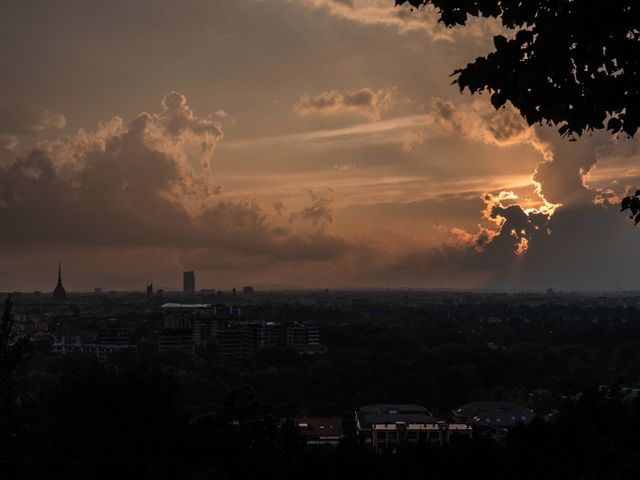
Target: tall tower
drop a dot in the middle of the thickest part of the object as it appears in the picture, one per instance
(59, 293)
(189, 283)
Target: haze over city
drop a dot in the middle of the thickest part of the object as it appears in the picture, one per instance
(305, 143)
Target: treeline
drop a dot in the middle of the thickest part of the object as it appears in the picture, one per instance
(146, 414)
(107, 421)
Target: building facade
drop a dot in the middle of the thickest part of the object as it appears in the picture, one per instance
(189, 283)
(386, 427)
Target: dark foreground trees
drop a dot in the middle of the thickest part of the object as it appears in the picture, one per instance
(571, 63)
(104, 423)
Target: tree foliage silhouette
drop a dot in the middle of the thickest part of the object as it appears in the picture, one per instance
(12, 353)
(573, 64)
(12, 349)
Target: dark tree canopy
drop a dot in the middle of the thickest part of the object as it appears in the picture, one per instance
(574, 64)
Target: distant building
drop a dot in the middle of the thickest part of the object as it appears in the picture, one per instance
(114, 335)
(108, 340)
(100, 351)
(247, 291)
(493, 417)
(388, 426)
(150, 290)
(370, 415)
(236, 340)
(235, 335)
(391, 436)
(320, 431)
(189, 283)
(303, 339)
(203, 319)
(240, 338)
(59, 293)
(176, 339)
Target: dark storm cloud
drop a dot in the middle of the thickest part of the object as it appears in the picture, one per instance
(590, 247)
(561, 178)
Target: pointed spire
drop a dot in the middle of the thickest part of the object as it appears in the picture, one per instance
(59, 293)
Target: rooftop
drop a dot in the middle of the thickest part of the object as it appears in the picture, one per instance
(395, 413)
(494, 414)
(191, 306)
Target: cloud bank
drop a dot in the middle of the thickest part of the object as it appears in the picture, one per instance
(146, 184)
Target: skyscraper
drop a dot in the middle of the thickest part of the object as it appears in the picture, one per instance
(189, 283)
(59, 293)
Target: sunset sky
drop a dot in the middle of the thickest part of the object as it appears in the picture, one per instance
(286, 143)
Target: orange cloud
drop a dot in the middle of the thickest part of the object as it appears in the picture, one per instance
(364, 102)
(404, 19)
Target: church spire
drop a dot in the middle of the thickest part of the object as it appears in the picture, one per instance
(59, 293)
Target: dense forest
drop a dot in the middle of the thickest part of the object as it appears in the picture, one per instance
(147, 414)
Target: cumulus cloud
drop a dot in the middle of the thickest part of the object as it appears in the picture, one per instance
(279, 207)
(560, 176)
(175, 131)
(403, 18)
(508, 228)
(24, 120)
(8, 143)
(223, 114)
(140, 185)
(319, 211)
(477, 121)
(364, 102)
(574, 238)
(18, 122)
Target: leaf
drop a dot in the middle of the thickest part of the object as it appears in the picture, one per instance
(625, 204)
(500, 41)
(614, 124)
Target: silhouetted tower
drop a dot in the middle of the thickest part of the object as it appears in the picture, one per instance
(189, 283)
(59, 293)
(150, 290)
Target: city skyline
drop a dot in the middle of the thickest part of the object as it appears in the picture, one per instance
(245, 289)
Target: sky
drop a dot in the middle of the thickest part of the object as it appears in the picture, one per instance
(287, 144)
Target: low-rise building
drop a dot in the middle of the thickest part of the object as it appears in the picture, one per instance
(493, 417)
(114, 335)
(390, 436)
(176, 339)
(320, 431)
(99, 350)
(389, 426)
